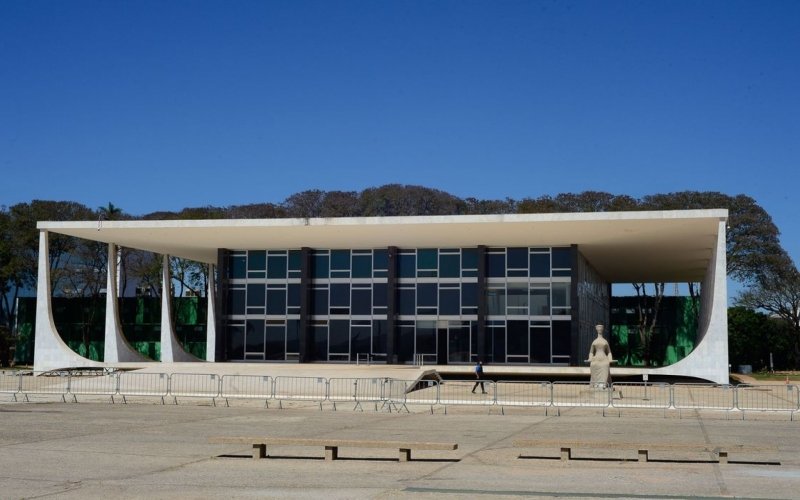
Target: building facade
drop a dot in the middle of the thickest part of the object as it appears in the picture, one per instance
(516, 290)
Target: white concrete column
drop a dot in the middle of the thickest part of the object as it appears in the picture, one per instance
(211, 316)
(116, 348)
(171, 349)
(709, 359)
(50, 351)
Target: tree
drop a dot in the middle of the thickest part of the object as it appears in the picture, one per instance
(755, 337)
(647, 311)
(778, 293)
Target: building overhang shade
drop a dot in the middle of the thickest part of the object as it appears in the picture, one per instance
(655, 246)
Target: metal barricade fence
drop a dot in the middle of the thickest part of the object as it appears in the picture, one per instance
(10, 383)
(300, 389)
(246, 387)
(194, 385)
(641, 395)
(45, 383)
(143, 384)
(535, 394)
(767, 398)
(466, 392)
(93, 384)
(581, 394)
(355, 390)
(703, 397)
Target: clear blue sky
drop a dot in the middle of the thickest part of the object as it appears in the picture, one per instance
(156, 105)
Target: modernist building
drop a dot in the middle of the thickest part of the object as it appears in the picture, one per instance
(518, 290)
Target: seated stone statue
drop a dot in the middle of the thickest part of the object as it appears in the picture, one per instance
(600, 360)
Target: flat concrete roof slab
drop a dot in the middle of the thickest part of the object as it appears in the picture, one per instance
(670, 246)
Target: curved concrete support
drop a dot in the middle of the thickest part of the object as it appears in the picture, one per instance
(211, 316)
(709, 359)
(171, 349)
(116, 348)
(50, 351)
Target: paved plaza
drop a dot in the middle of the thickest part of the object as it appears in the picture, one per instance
(145, 449)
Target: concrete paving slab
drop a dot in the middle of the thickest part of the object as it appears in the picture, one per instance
(93, 450)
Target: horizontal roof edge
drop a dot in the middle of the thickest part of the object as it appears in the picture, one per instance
(721, 214)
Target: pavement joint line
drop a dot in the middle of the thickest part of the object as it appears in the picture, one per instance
(550, 494)
(723, 489)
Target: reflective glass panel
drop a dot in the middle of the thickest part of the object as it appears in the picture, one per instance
(540, 265)
(238, 267)
(321, 269)
(517, 338)
(276, 301)
(379, 336)
(517, 298)
(359, 340)
(276, 268)
(319, 299)
(469, 258)
(449, 266)
(255, 295)
(469, 294)
(362, 301)
(561, 295)
(407, 264)
(276, 341)
(236, 301)
(339, 336)
(406, 301)
(517, 258)
(449, 301)
(380, 259)
(496, 301)
(426, 258)
(340, 294)
(426, 337)
(320, 335)
(256, 260)
(254, 336)
(496, 265)
(540, 345)
(362, 266)
(427, 294)
(292, 336)
(340, 260)
(562, 258)
(379, 295)
(236, 341)
(540, 302)
(561, 338)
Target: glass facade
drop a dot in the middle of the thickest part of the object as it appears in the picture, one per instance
(445, 301)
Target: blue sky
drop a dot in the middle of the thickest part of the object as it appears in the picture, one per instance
(157, 105)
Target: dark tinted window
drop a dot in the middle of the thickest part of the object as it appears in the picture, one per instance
(540, 265)
(562, 258)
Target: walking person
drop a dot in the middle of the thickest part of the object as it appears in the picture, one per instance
(479, 377)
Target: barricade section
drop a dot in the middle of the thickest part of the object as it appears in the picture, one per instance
(9, 383)
(581, 394)
(422, 392)
(301, 389)
(246, 387)
(767, 397)
(703, 397)
(56, 383)
(194, 385)
(466, 392)
(94, 384)
(355, 390)
(536, 394)
(641, 395)
(143, 384)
